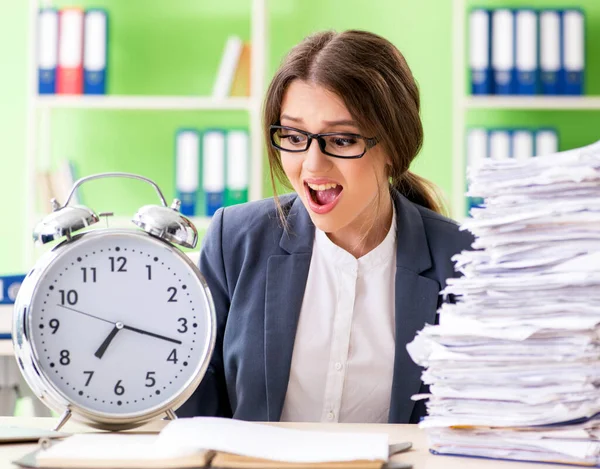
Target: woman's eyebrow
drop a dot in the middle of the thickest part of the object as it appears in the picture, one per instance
(328, 123)
(341, 122)
(295, 119)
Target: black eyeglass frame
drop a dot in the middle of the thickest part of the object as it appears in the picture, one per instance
(370, 142)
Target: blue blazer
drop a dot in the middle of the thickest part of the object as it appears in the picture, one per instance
(257, 275)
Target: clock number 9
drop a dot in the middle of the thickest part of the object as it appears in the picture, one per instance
(119, 390)
(54, 325)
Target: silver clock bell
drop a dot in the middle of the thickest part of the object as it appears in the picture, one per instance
(161, 221)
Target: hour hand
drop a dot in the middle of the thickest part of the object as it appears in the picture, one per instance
(100, 352)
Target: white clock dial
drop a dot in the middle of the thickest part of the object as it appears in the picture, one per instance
(120, 323)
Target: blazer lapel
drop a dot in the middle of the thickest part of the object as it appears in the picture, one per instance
(416, 303)
(286, 282)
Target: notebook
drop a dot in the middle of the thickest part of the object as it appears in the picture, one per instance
(224, 443)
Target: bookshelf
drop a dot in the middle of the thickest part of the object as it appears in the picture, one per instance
(463, 103)
(40, 109)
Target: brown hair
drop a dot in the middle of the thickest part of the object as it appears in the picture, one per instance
(374, 81)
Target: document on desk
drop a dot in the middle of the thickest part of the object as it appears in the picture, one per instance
(200, 441)
(514, 364)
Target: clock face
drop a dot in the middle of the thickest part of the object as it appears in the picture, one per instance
(120, 323)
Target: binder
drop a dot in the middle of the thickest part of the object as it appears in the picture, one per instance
(526, 47)
(550, 52)
(503, 54)
(546, 142)
(477, 151)
(69, 78)
(500, 145)
(522, 144)
(187, 169)
(213, 169)
(479, 52)
(229, 62)
(240, 85)
(573, 50)
(9, 287)
(47, 50)
(94, 56)
(238, 156)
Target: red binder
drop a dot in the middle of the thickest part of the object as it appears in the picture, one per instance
(69, 72)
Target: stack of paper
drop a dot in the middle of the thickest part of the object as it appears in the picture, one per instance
(514, 365)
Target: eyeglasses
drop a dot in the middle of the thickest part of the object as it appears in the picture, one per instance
(336, 144)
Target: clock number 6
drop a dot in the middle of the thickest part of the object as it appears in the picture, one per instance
(119, 390)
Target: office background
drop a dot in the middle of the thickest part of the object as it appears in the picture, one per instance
(174, 48)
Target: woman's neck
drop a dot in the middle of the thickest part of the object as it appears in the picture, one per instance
(368, 230)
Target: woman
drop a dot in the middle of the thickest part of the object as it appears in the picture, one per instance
(318, 292)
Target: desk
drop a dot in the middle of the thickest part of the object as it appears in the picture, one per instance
(419, 456)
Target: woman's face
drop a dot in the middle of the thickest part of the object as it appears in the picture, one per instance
(338, 193)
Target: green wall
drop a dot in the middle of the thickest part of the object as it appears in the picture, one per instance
(174, 48)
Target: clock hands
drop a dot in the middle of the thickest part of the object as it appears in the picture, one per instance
(152, 334)
(100, 352)
(86, 314)
(117, 327)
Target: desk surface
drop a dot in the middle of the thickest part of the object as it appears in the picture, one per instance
(419, 456)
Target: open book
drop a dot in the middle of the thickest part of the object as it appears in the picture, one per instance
(216, 442)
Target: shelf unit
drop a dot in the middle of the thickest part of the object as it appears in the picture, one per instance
(40, 109)
(462, 103)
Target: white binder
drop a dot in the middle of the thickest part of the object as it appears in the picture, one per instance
(522, 144)
(500, 147)
(546, 142)
(526, 37)
(503, 54)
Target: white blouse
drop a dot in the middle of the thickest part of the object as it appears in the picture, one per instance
(343, 358)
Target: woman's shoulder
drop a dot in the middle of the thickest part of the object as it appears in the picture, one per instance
(254, 219)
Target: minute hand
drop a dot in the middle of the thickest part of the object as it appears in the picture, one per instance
(152, 334)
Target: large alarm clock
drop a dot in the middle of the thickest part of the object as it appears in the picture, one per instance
(114, 326)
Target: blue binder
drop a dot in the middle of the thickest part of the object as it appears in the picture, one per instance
(47, 50)
(9, 287)
(503, 51)
(477, 150)
(480, 51)
(573, 51)
(551, 61)
(187, 169)
(526, 51)
(213, 169)
(95, 55)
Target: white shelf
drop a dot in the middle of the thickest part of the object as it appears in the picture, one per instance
(589, 103)
(163, 103)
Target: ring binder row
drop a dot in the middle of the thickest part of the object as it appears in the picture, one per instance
(502, 144)
(212, 164)
(72, 51)
(526, 51)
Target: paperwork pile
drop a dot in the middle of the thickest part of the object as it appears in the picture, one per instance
(514, 366)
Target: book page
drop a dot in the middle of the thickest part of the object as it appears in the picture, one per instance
(263, 441)
(100, 450)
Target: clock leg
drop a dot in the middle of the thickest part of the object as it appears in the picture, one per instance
(63, 419)
(171, 415)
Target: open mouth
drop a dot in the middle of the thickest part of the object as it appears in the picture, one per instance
(322, 198)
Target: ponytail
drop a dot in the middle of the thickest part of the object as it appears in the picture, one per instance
(420, 191)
